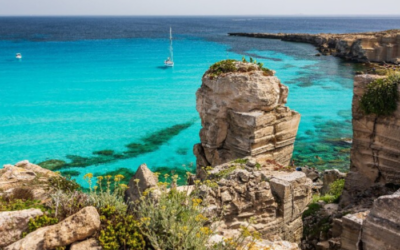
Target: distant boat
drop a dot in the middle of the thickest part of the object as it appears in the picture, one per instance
(18, 56)
(170, 60)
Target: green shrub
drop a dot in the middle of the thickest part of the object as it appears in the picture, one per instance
(38, 222)
(381, 96)
(221, 67)
(313, 208)
(174, 222)
(241, 161)
(108, 192)
(18, 204)
(336, 188)
(119, 231)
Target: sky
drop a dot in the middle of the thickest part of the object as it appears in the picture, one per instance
(199, 7)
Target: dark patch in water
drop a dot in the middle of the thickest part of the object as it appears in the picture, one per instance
(146, 144)
(263, 57)
(70, 173)
(344, 113)
(182, 151)
(104, 152)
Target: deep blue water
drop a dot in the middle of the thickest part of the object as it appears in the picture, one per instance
(86, 84)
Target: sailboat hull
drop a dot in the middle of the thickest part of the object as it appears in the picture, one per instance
(169, 64)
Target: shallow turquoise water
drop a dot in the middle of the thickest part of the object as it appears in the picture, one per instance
(69, 98)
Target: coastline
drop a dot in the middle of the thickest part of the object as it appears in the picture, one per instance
(366, 47)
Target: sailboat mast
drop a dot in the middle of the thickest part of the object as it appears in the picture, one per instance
(170, 45)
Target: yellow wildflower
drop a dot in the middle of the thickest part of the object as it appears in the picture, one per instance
(88, 176)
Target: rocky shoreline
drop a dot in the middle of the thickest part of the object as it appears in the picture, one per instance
(378, 47)
(244, 196)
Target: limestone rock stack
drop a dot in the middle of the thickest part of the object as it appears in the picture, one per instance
(243, 114)
(376, 147)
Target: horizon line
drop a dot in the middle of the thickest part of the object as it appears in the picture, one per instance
(222, 15)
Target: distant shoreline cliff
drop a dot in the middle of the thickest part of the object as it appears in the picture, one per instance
(378, 47)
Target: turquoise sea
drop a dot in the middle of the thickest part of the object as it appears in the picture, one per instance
(93, 92)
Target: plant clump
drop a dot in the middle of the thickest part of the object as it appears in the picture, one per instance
(224, 66)
(230, 65)
(381, 96)
(119, 231)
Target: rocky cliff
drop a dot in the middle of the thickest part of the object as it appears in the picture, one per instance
(375, 161)
(274, 198)
(361, 47)
(243, 114)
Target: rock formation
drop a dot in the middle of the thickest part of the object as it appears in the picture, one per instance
(361, 47)
(14, 223)
(146, 179)
(243, 114)
(375, 160)
(28, 176)
(275, 199)
(74, 228)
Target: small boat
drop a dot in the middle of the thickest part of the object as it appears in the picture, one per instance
(170, 60)
(18, 56)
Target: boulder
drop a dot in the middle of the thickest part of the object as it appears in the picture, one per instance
(14, 223)
(74, 228)
(25, 174)
(90, 244)
(141, 181)
(33, 241)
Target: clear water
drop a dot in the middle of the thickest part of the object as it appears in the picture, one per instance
(90, 84)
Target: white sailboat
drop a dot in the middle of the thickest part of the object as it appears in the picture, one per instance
(170, 60)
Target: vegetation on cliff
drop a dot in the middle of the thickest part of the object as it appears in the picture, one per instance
(230, 65)
(381, 96)
(174, 220)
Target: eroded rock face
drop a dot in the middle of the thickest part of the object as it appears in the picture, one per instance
(351, 232)
(74, 228)
(274, 199)
(14, 223)
(376, 148)
(243, 114)
(381, 229)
